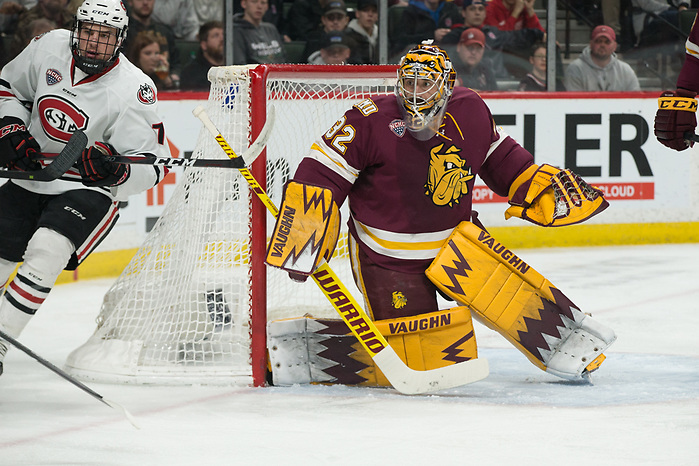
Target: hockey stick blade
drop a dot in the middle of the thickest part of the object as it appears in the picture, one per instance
(252, 152)
(689, 136)
(404, 379)
(61, 163)
(66, 376)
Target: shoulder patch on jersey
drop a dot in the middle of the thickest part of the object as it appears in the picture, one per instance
(146, 94)
(398, 127)
(53, 76)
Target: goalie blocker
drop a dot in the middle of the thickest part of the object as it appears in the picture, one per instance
(306, 231)
(510, 297)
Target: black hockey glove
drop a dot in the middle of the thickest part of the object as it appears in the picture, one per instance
(17, 146)
(97, 170)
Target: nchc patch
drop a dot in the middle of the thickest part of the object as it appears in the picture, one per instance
(398, 127)
(53, 76)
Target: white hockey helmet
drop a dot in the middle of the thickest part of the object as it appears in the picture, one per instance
(110, 13)
(423, 110)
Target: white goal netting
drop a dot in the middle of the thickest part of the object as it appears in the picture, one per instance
(182, 309)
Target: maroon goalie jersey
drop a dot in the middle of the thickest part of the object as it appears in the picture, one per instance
(405, 195)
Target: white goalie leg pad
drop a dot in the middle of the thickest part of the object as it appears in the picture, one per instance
(293, 348)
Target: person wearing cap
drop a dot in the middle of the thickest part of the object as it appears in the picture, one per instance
(334, 18)
(511, 15)
(598, 68)
(472, 70)
(365, 33)
(335, 50)
(425, 19)
(497, 43)
(256, 41)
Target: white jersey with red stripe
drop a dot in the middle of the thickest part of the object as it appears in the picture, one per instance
(43, 87)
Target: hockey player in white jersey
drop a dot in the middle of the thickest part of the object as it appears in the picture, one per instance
(64, 81)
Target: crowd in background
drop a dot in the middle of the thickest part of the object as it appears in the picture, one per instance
(175, 42)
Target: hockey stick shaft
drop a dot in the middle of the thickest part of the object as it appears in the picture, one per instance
(14, 342)
(61, 163)
(403, 379)
(170, 162)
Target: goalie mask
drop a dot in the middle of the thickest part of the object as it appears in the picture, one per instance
(425, 82)
(98, 32)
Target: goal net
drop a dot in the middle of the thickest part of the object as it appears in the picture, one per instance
(193, 303)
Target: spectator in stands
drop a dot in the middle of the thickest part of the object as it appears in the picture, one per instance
(29, 31)
(54, 10)
(9, 13)
(334, 18)
(472, 70)
(364, 31)
(303, 18)
(208, 10)
(179, 15)
(210, 53)
(497, 42)
(141, 19)
(146, 52)
(425, 19)
(598, 69)
(256, 41)
(274, 15)
(335, 50)
(511, 15)
(656, 22)
(535, 80)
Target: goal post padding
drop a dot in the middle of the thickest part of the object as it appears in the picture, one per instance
(193, 303)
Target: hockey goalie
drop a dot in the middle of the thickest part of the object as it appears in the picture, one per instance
(406, 164)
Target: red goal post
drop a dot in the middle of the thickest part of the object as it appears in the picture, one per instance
(193, 304)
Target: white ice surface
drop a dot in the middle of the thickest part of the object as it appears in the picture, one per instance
(641, 409)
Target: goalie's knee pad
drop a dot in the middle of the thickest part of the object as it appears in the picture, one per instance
(309, 350)
(512, 298)
(307, 229)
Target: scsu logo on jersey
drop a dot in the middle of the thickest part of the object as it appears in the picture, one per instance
(53, 77)
(60, 117)
(398, 127)
(146, 94)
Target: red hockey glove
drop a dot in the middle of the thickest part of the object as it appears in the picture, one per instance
(97, 170)
(676, 115)
(17, 146)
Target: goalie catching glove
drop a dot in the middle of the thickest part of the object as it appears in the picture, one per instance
(97, 170)
(17, 145)
(306, 232)
(676, 116)
(551, 197)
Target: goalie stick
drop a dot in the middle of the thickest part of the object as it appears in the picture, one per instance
(61, 163)
(404, 379)
(67, 377)
(689, 136)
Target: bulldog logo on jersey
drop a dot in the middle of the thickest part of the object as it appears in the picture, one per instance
(146, 94)
(398, 300)
(53, 77)
(398, 127)
(448, 177)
